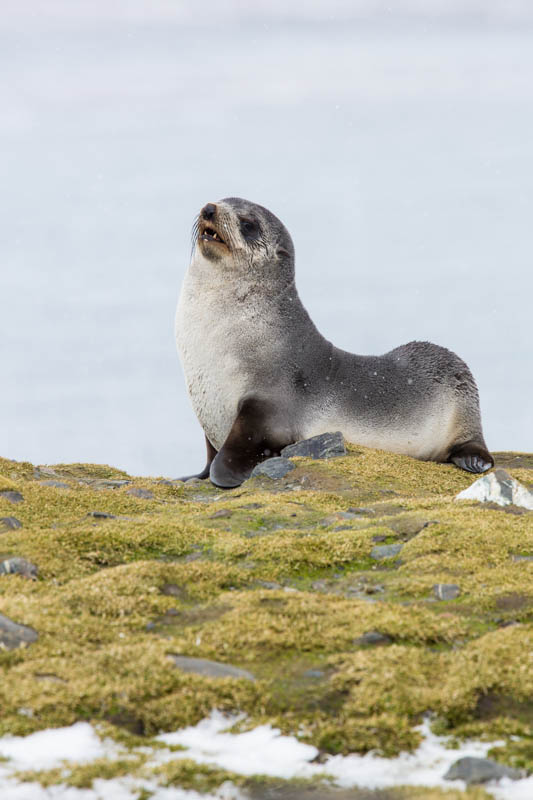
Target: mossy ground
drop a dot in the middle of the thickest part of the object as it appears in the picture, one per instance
(276, 578)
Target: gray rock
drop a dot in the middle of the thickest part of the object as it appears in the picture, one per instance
(55, 484)
(144, 494)
(221, 514)
(101, 515)
(385, 551)
(10, 523)
(269, 585)
(314, 673)
(13, 635)
(105, 483)
(18, 566)
(372, 639)
(480, 770)
(325, 445)
(446, 591)
(521, 558)
(11, 496)
(498, 487)
(174, 590)
(273, 468)
(211, 669)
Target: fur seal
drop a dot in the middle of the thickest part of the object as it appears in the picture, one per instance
(260, 375)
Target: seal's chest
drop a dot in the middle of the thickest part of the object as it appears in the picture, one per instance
(209, 351)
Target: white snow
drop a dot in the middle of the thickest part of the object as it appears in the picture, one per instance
(260, 751)
(263, 750)
(49, 748)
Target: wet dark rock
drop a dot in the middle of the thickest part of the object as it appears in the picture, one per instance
(446, 591)
(211, 669)
(11, 496)
(273, 468)
(143, 494)
(18, 566)
(326, 445)
(373, 639)
(385, 551)
(55, 484)
(13, 635)
(9, 523)
(101, 515)
(480, 770)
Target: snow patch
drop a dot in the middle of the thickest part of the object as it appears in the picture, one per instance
(263, 750)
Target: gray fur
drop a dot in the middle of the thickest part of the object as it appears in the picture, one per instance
(241, 328)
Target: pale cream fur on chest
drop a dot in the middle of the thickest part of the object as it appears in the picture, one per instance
(211, 339)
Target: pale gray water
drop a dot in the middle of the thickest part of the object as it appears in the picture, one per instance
(399, 152)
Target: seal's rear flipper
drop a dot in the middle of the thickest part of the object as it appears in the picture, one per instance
(472, 457)
(254, 436)
(211, 453)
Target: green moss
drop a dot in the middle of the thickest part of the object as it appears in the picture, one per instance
(101, 608)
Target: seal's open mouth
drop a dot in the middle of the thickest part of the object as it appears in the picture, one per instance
(209, 234)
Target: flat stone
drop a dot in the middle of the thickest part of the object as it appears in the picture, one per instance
(273, 468)
(144, 494)
(498, 487)
(10, 523)
(11, 496)
(18, 566)
(325, 445)
(521, 558)
(314, 673)
(223, 513)
(408, 526)
(174, 590)
(55, 484)
(13, 635)
(269, 585)
(211, 669)
(372, 639)
(385, 551)
(446, 591)
(101, 515)
(106, 483)
(480, 770)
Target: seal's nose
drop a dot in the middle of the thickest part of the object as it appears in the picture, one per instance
(208, 211)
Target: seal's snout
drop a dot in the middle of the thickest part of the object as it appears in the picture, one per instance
(208, 229)
(209, 211)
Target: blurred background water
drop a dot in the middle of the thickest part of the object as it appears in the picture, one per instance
(394, 140)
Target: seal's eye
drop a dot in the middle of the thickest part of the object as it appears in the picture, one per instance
(249, 227)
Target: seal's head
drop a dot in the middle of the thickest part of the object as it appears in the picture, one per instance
(243, 237)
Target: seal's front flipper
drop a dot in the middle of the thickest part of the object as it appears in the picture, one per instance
(255, 435)
(211, 453)
(472, 457)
